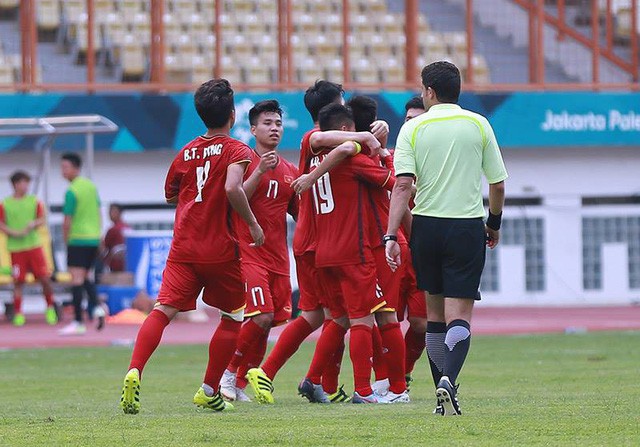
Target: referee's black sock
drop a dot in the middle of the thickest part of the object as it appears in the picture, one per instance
(436, 348)
(76, 293)
(90, 287)
(458, 340)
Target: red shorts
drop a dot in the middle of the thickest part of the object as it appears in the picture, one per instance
(354, 287)
(388, 280)
(312, 291)
(412, 301)
(267, 292)
(23, 262)
(223, 282)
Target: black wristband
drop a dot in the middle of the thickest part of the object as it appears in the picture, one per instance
(494, 221)
(389, 237)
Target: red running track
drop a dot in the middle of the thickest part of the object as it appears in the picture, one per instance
(488, 321)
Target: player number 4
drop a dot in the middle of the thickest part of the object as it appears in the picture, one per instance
(322, 195)
(202, 174)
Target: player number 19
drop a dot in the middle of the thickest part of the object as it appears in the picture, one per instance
(322, 195)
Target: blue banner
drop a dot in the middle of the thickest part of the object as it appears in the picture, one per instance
(150, 121)
(147, 253)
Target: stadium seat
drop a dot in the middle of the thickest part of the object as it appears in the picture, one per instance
(392, 70)
(71, 10)
(309, 71)
(9, 4)
(257, 72)
(6, 72)
(47, 15)
(172, 28)
(362, 25)
(318, 7)
(378, 47)
(177, 68)
(184, 9)
(197, 27)
(202, 69)
(239, 47)
(115, 31)
(133, 61)
(307, 25)
(130, 7)
(363, 71)
(322, 47)
(332, 24)
(82, 42)
(254, 25)
(480, 69)
(267, 47)
(230, 70)
(335, 70)
(390, 23)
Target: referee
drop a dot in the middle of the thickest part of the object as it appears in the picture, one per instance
(447, 150)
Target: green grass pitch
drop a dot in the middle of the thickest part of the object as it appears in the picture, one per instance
(574, 390)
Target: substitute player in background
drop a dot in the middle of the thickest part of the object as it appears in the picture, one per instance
(82, 229)
(268, 188)
(20, 216)
(205, 180)
(447, 150)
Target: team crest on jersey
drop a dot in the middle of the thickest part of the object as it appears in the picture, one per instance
(288, 179)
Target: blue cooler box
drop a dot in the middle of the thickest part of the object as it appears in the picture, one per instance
(119, 297)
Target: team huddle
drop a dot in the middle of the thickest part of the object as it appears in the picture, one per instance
(230, 243)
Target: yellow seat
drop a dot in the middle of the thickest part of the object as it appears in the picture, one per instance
(363, 71)
(133, 60)
(47, 15)
(257, 72)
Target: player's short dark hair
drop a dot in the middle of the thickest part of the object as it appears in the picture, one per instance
(319, 95)
(365, 112)
(414, 103)
(18, 176)
(117, 206)
(214, 103)
(333, 116)
(269, 105)
(73, 158)
(444, 78)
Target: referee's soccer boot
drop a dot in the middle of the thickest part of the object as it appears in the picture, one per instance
(261, 384)
(339, 396)
(215, 402)
(130, 400)
(314, 393)
(446, 395)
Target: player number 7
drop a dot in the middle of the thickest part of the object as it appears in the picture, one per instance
(202, 174)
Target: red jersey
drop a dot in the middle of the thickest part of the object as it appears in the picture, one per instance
(342, 208)
(113, 240)
(271, 201)
(203, 230)
(379, 216)
(304, 239)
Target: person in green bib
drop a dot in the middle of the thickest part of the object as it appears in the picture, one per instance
(82, 229)
(20, 216)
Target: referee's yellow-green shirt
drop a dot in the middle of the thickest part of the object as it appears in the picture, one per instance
(448, 149)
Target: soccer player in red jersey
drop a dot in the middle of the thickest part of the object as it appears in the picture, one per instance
(20, 216)
(205, 181)
(312, 291)
(391, 335)
(268, 188)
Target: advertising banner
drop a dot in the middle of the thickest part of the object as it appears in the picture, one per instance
(147, 253)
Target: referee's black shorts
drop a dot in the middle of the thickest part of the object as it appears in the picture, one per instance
(81, 256)
(448, 255)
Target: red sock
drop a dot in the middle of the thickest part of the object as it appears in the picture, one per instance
(249, 334)
(148, 339)
(49, 299)
(252, 360)
(361, 350)
(393, 344)
(17, 303)
(330, 339)
(379, 362)
(331, 373)
(414, 344)
(287, 345)
(221, 347)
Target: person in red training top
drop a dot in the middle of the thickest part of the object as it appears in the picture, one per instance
(20, 216)
(312, 292)
(205, 181)
(391, 338)
(268, 188)
(114, 249)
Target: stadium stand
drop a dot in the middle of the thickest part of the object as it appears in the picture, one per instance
(249, 35)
